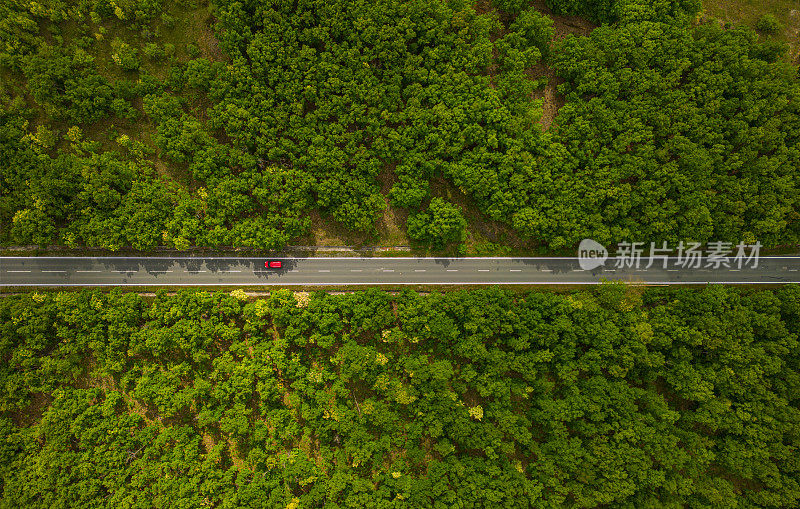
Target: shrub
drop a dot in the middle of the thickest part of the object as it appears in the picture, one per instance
(154, 52)
(769, 24)
(124, 55)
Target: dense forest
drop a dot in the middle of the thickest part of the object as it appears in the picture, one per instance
(615, 397)
(138, 123)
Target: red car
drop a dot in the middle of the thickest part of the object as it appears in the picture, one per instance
(273, 264)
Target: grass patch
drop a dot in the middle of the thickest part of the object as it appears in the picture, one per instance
(326, 232)
(748, 12)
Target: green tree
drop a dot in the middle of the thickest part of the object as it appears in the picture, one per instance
(441, 223)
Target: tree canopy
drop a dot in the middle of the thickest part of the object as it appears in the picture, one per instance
(668, 135)
(618, 396)
(670, 128)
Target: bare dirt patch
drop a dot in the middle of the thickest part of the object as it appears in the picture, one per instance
(552, 101)
(208, 441)
(564, 26)
(392, 226)
(208, 42)
(326, 232)
(33, 412)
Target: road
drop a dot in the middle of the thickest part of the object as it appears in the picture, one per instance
(318, 271)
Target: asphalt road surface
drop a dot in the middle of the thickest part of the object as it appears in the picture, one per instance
(151, 271)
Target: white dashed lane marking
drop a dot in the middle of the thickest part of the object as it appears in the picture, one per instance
(326, 274)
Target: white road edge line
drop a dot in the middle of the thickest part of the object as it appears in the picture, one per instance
(538, 283)
(261, 259)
